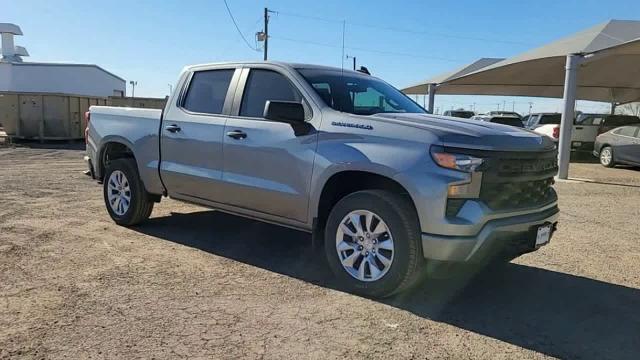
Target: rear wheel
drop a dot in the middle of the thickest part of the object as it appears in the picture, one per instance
(606, 157)
(372, 243)
(125, 197)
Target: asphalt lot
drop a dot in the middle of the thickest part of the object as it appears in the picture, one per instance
(197, 283)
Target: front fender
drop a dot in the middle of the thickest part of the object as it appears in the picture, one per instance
(386, 159)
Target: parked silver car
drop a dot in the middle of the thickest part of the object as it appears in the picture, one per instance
(619, 146)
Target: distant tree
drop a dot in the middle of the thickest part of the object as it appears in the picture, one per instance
(629, 109)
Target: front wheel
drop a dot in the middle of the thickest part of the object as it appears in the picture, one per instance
(373, 243)
(125, 197)
(606, 157)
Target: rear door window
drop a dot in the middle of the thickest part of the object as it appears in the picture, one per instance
(207, 91)
(263, 85)
(590, 121)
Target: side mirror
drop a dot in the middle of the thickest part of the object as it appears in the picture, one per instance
(284, 111)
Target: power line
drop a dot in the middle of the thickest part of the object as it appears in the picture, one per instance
(453, 36)
(415, 32)
(309, 17)
(238, 28)
(384, 52)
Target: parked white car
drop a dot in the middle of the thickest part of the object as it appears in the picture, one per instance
(545, 124)
(585, 128)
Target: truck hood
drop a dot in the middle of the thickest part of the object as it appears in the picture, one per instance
(472, 134)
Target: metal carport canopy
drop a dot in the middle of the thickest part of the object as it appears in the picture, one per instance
(600, 64)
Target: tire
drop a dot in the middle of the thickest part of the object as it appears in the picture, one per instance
(404, 262)
(606, 157)
(140, 203)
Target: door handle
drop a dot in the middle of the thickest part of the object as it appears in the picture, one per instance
(237, 134)
(579, 128)
(173, 128)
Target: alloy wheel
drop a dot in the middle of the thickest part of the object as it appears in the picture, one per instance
(364, 245)
(605, 157)
(118, 193)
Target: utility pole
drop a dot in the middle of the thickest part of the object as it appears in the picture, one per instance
(170, 89)
(504, 105)
(530, 106)
(513, 106)
(266, 33)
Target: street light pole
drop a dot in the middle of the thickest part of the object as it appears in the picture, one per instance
(354, 60)
(133, 88)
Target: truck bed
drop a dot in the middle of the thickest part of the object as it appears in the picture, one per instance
(138, 128)
(131, 112)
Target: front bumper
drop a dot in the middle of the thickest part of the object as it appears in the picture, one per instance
(514, 234)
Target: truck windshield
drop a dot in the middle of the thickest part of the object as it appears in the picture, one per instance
(358, 94)
(619, 120)
(550, 119)
(461, 114)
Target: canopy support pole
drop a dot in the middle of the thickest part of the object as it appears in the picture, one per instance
(432, 97)
(568, 114)
(613, 107)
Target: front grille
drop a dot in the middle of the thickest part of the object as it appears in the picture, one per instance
(518, 194)
(516, 180)
(516, 167)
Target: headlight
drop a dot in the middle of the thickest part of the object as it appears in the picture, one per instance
(458, 162)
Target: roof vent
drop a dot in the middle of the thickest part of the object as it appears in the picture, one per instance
(11, 52)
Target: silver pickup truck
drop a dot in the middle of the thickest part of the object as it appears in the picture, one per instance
(385, 187)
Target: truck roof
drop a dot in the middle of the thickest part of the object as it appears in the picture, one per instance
(280, 63)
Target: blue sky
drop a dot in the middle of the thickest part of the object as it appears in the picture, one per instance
(150, 41)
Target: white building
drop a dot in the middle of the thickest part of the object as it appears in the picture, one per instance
(58, 78)
(48, 100)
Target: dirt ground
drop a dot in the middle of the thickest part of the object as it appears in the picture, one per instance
(197, 283)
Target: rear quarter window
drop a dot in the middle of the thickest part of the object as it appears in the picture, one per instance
(626, 131)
